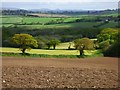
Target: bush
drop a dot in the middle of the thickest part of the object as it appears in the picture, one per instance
(113, 50)
(41, 45)
(104, 45)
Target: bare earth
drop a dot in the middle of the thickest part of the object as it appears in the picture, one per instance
(99, 72)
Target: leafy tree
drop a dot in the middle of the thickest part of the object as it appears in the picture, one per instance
(83, 44)
(103, 37)
(25, 41)
(69, 47)
(106, 34)
(48, 44)
(54, 43)
(108, 41)
(113, 50)
(41, 44)
(104, 45)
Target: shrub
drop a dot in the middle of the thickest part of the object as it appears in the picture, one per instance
(113, 50)
(104, 45)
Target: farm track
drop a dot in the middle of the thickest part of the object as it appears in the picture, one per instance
(60, 73)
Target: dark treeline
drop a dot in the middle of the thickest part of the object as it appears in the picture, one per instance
(43, 35)
(15, 12)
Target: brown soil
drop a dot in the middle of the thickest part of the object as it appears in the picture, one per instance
(60, 73)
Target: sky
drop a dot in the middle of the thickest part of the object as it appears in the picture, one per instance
(59, 0)
(61, 4)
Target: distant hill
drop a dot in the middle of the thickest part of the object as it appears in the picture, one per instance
(16, 11)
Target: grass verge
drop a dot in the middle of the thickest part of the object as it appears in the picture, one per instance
(48, 56)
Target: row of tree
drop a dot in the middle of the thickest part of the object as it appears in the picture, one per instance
(26, 41)
(107, 40)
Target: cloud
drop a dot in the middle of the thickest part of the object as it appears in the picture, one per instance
(60, 1)
(66, 6)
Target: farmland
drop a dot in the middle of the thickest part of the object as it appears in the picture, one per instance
(43, 21)
(59, 48)
(60, 73)
(64, 28)
(50, 52)
(58, 27)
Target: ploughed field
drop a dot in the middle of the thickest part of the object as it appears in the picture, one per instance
(99, 72)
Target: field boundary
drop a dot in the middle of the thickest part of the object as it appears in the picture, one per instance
(46, 55)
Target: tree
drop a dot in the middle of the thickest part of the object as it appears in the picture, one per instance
(25, 41)
(109, 41)
(54, 42)
(48, 44)
(106, 34)
(69, 47)
(104, 45)
(113, 50)
(83, 44)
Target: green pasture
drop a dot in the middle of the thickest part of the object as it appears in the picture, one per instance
(70, 25)
(110, 25)
(38, 22)
(50, 52)
(11, 20)
(66, 25)
(45, 20)
(65, 45)
(61, 49)
(44, 26)
(27, 20)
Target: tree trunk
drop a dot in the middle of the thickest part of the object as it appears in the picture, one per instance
(48, 47)
(23, 50)
(54, 46)
(81, 52)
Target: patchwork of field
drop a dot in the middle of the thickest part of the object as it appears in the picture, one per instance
(43, 22)
(27, 20)
(60, 68)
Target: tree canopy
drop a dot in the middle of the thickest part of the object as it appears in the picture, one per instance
(108, 34)
(25, 41)
(83, 44)
(53, 43)
(109, 41)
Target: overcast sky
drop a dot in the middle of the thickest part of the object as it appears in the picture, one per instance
(62, 4)
(59, 0)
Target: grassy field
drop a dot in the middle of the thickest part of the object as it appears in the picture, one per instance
(65, 45)
(44, 26)
(52, 52)
(42, 51)
(71, 25)
(38, 22)
(61, 49)
(11, 20)
(18, 19)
